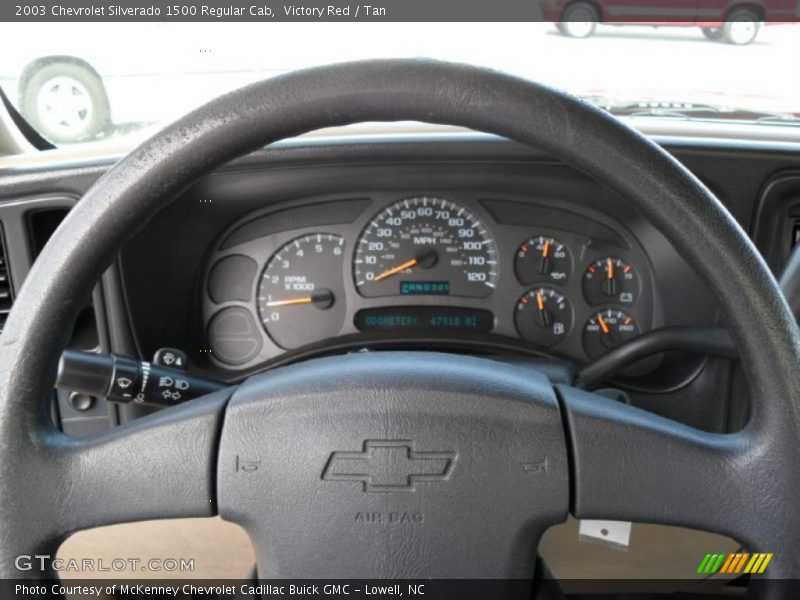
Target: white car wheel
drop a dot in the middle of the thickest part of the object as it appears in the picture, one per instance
(65, 102)
(64, 105)
(580, 21)
(741, 29)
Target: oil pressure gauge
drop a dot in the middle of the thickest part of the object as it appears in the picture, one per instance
(610, 280)
(542, 259)
(543, 316)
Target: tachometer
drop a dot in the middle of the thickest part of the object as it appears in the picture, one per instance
(425, 246)
(301, 294)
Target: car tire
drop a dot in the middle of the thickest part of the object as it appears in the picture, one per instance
(741, 27)
(42, 102)
(712, 33)
(579, 20)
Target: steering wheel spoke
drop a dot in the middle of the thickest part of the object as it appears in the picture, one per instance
(632, 465)
(160, 466)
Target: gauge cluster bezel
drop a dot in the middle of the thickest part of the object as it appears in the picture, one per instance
(542, 216)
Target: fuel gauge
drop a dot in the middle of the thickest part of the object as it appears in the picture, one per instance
(543, 316)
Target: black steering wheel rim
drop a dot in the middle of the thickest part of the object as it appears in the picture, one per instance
(756, 467)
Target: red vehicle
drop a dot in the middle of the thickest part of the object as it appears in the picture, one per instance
(733, 21)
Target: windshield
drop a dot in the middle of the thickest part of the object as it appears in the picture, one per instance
(80, 83)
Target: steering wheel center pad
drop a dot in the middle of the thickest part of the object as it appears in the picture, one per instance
(420, 465)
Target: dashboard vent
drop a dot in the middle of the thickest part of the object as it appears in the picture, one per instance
(6, 295)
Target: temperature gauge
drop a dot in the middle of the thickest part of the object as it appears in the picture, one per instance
(542, 258)
(543, 316)
(606, 330)
(610, 280)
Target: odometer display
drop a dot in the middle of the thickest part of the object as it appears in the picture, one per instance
(425, 318)
(425, 246)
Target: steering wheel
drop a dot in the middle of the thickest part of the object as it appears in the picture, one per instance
(401, 464)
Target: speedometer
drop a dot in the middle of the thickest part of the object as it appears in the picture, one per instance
(425, 246)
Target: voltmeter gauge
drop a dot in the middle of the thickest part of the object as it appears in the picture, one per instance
(542, 259)
(543, 316)
(610, 280)
(608, 329)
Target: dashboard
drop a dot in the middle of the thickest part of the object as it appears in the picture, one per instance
(295, 230)
(193, 278)
(407, 262)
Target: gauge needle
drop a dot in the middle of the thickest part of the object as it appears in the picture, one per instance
(603, 325)
(540, 300)
(609, 286)
(301, 300)
(322, 300)
(544, 266)
(544, 314)
(395, 270)
(424, 260)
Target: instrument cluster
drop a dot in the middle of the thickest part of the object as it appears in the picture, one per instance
(573, 284)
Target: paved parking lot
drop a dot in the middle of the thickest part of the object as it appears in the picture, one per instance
(625, 61)
(182, 65)
(622, 62)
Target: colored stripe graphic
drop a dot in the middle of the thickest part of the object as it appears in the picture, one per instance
(727, 564)
(740, 563)
(735, 563)
(711, 563)
(755, 561)
(715, 567)
(759, 563)
(703, 564)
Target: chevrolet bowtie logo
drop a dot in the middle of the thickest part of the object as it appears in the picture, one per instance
(389, 466)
